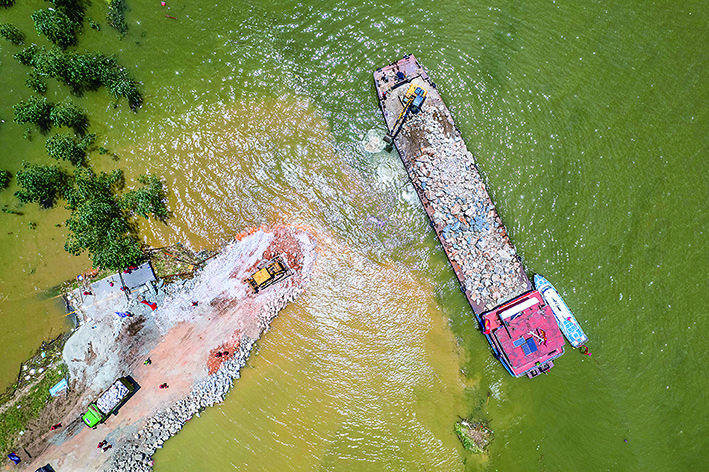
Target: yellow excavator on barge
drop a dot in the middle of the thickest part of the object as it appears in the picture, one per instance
(411, 103)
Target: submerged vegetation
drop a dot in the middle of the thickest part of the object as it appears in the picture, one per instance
(63, 146)
(56, 26)
(12, 33)
(34, 110)
(475, 436)
(36, 82)
(40, 184)
(100, 222)
(83, 71)
(102, 214)
(4, 178)
(44, 115)
(116, 15)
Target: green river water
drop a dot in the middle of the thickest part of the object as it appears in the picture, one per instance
(590, 125)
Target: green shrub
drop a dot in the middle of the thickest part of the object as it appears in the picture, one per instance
(40, 183)
(56, 26)
(4, 178)
(34, 110)
(12, 33)
(63, 146)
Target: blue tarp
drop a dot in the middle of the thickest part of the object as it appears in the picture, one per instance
(59, 388)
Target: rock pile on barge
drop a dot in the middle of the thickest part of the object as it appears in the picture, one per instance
(453, 193)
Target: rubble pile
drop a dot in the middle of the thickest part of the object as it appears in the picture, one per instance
(112, 397)
(451, 188)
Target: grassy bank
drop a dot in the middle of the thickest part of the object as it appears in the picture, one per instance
(26, 405)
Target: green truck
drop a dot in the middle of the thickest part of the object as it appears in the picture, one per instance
(108, 402)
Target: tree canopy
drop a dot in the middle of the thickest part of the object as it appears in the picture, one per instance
(42, 184)
(63, 146)
(56, 26)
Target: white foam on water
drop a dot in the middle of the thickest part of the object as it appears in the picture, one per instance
(373, 141)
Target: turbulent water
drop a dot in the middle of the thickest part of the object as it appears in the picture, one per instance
(589, 124)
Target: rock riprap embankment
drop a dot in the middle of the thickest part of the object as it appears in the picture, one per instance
(137, 452)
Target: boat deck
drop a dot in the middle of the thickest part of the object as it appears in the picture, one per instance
(525, 332)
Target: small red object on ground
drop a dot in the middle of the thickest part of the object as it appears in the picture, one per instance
(152, 305)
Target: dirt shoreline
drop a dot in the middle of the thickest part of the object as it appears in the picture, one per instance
(213, 312)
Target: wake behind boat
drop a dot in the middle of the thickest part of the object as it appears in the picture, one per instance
(564, 318)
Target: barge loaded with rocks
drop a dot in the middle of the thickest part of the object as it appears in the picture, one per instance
(445, 176)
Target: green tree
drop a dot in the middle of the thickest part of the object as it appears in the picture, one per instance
(34, 110)
(98, 224)
(4, 178)
(12, 33)
(7, 3)
(64, 146)
(27, 55)
(56, 26)
(36, 82)
(69, 115)
(40, 184)
(116, 15)
(148, 200)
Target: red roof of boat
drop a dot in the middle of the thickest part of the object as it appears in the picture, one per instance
(525, 332)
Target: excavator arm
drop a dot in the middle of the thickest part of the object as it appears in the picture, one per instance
(412, 102)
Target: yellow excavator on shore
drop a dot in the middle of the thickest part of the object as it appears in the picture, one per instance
(274, 271)
(411, 103)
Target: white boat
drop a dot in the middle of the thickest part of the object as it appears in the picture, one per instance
(564, 318)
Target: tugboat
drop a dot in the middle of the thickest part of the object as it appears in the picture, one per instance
(523, 335)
